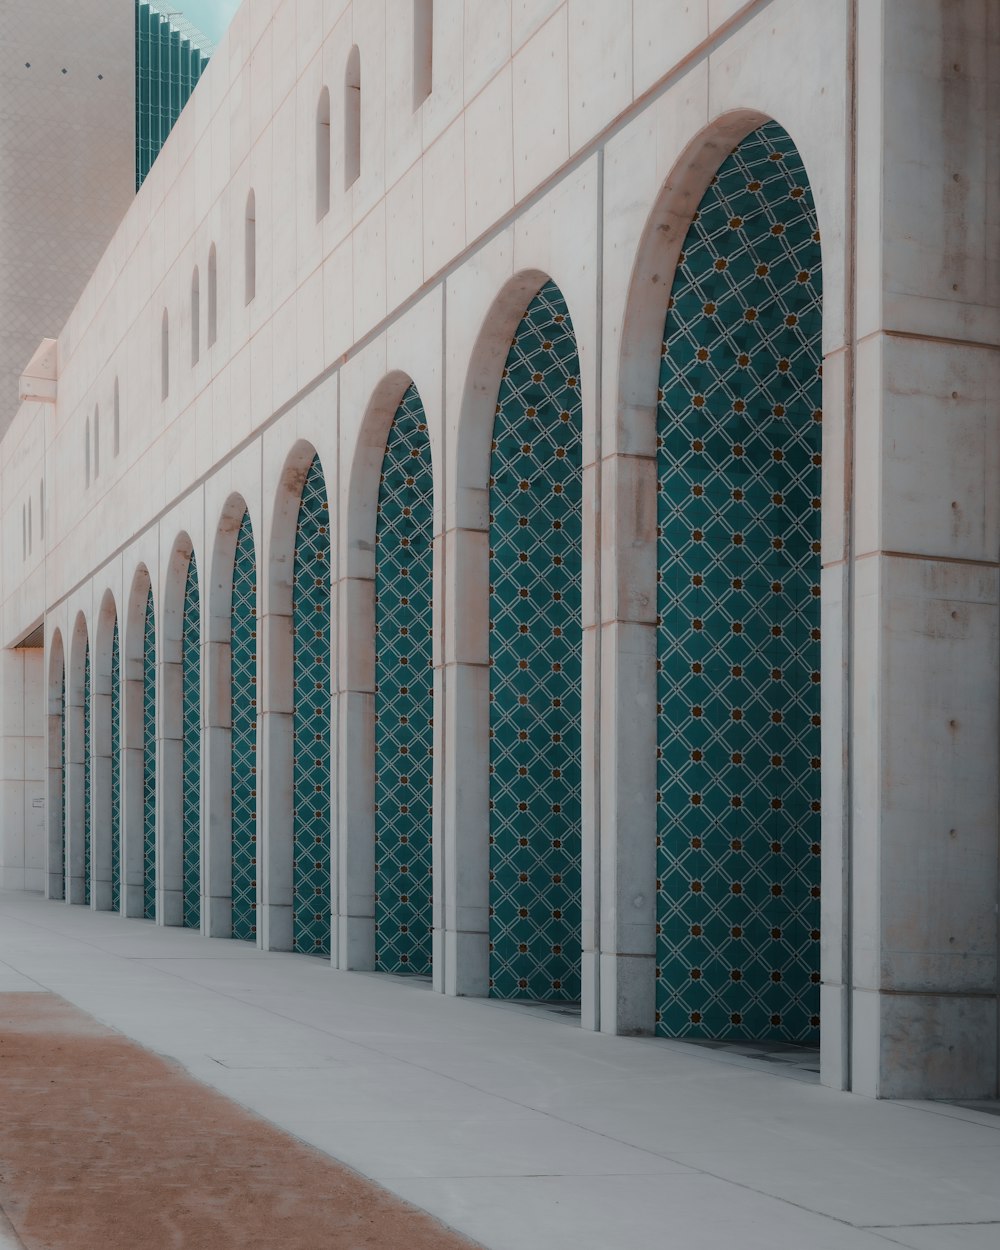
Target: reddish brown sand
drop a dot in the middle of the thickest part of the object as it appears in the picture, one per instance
(106, 1146)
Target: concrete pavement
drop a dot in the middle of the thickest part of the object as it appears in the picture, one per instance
(509, 1122)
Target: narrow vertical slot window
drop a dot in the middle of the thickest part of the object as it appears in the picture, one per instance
(30, 540)
(86, 455)
(116, 432)
(97, 442)
(213, 295)
(165, 356)
(323, 155)
(41, 509)
(250, 241)
(423, 48)
(352, 118)
(195, 316)
(24, 531)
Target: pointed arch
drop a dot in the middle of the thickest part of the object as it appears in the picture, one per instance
(465, 881)
(56, 752)
(243, 741)
(739, 453)
(311, 627)
(217, 843)
(139, 727)
(404, 694)
(285, 715)
(78, 764)
(106, 702)
(536, 645)
(358, 850)
(180, 762)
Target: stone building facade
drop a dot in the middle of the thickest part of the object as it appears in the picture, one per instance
(519, 509)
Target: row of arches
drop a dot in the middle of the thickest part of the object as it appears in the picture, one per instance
(737, 668)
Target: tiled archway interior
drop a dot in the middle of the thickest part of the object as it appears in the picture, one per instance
(244, 735)
(149, 761)
(191, 754)
(116, 771)
(311, 872)
(64, 868)
(404, 695)
(535, 660)
(87, 847)
(738, 603)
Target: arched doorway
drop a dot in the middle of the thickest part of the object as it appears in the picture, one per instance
(57, 858)
(116, 769)
(191, 748)
(535, 494)
(311, 852)
(87, 776)
(738, 452)
(404, 694)
(243, 771)
(149, 759)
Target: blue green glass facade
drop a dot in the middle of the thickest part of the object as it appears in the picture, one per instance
(191, 747)
(311, 867)
(739, 438)
(535, 661)
(404, 695)
(244, 735)
(167, 68)
(149, 761)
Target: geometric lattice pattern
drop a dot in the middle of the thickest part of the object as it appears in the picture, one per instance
(86, 775)
(311, 623)
(404, 695)
(244, 735)
(738, 787)
(116, 771)
(149, 761)
(535, 661)
(62, 779)
(191, 755)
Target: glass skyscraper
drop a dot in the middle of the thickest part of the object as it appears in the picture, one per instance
(170, 57)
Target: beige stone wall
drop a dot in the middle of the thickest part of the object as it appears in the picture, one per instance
(570, 139)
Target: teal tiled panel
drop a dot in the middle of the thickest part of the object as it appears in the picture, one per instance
(535, 661)
(244, 735)
(311, 622)
(116, 771)
(404, 695)
(87, 851)
(62, 779)
(191, 756)
(149, 762)
(739, 437)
